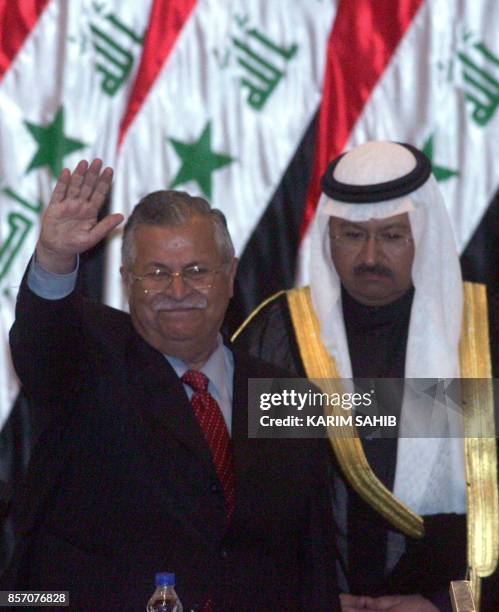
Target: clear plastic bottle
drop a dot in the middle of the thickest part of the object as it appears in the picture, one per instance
(164, 598)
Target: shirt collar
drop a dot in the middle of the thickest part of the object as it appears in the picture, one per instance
(214, 368)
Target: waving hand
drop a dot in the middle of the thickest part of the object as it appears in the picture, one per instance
(70, 225)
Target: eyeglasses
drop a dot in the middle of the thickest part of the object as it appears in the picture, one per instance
(390, 241)
(196, 277)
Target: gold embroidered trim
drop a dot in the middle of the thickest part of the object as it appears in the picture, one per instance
(479, 431)
(480, 441)
(347, 447)
(253, 314)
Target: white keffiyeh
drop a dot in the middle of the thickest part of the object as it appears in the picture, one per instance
(430, 471)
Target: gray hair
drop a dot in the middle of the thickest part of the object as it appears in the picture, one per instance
(173, 209)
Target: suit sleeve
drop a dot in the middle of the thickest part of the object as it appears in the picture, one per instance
(47, 344)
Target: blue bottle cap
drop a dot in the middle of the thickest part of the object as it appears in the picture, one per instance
(165, 579)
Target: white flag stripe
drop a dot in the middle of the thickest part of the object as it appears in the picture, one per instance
(200, 85)
(423, 95)
(80, 57)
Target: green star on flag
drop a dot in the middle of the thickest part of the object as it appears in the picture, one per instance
(441, 172)
(53, 146)
(199, 161)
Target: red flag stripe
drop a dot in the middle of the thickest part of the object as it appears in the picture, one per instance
(166, 21)
(17, 20)
(364, 37)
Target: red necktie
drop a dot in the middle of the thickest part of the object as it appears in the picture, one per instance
(212, 423)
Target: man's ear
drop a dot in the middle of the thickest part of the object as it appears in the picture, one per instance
(125, 278)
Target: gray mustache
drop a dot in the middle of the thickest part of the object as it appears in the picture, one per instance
(167, 303)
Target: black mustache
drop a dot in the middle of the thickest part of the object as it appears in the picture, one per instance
(374, 269)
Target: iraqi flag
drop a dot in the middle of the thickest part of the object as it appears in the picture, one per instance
(224, 95)
(247, 105)
(244, 102)
(66, 70)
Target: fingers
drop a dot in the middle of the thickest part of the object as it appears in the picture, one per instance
(90, 180)
(386, 602)
(102, 188)
(79, 175)
(355, 602)
(402, 603)
(85, 183)
(60, 189)
(106, 225)
(94, 185)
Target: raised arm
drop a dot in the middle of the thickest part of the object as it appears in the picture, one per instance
(69, 224)
(47, 338)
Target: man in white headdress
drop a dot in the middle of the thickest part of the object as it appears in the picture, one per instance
(386, 301)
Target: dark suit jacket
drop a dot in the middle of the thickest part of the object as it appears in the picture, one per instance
(121, 483)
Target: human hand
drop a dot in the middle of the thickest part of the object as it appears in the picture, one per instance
(350, 603)
(391, 603)
(69, 224)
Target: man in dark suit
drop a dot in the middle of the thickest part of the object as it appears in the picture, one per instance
(128, 478)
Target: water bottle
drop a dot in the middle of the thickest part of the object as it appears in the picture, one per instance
(164, 598)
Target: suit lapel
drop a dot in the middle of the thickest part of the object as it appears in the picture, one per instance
(163, 401)
(241, 444)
